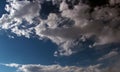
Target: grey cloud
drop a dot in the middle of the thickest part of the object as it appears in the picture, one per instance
(113, 2)
(109, 55)
(67, 33)
(113, 67)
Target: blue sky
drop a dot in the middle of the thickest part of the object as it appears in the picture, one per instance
(36, 36)
(23, 50)
(27, 50)
(2, 5)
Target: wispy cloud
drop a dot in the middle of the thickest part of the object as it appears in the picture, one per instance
(58, 68)
(11, 65)
(52, 68)
(109, 55)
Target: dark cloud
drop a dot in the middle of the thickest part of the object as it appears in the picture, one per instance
(47, 7)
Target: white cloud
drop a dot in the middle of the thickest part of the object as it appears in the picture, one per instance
(23, 9)
(53, 68)
(11, 65)
(19, 11)
(65, 27)
(113, 67)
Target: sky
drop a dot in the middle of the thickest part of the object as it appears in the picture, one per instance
(59, 35)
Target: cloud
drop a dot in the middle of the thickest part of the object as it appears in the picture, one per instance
(109, 55)
(101, 23)
(73, 24)
(113, 2)
(23, 9)
(19, 11)
(113, 67)
(53, 68)
(11, 65)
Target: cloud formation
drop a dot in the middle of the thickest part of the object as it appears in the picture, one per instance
(58, 68)
(109, 55)
(11, 65)
(53, 68)
(75, 22)
(19, 11)
(113, 67)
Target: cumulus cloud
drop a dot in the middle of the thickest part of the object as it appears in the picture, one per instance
(53, 68)
(23, 9)
(19, 11)
(101, 22)
(75, 22)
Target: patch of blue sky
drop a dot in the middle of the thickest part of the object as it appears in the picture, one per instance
(7, 69)
(26, 51)
(2, 7)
